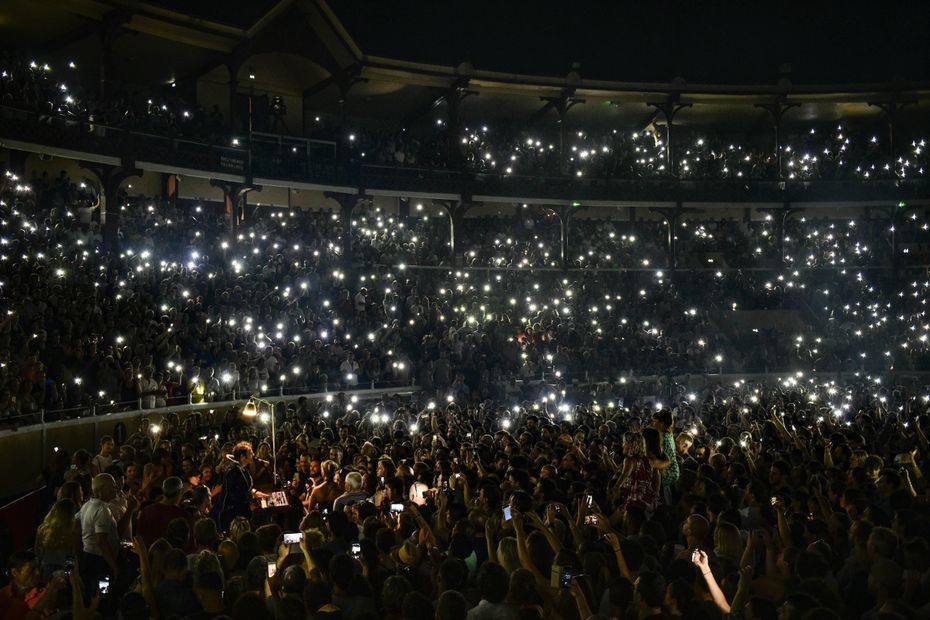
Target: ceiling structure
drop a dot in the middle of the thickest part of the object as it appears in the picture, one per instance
(394, 59)
(720, 42)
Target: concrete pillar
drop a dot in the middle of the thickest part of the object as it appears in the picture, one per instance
(110, 177)
(234, 196)
(669, 109)
(565, 216)
(456, 214)
(347, 203)
(776, 111)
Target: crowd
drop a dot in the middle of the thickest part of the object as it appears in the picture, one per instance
(529, 236)
(835, 152)
(806, 500)
(851, 150)
(185, 312)
(557, 458)
(63, 92)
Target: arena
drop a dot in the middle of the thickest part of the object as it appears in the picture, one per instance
(319, 309)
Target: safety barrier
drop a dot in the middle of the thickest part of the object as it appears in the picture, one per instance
(19, 519)
(24, 450)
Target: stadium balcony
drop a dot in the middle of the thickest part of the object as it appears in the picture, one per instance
(278, 160)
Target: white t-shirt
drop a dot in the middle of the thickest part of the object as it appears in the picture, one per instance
(148, 385)
(95, 518)
(102, 462)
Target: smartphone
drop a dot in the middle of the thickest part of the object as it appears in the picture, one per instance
(272, 569)
(590, 500)
(398, 507)
(356, 550)
(382, 481)
(694, 556)
(590, 520)
(445, 486)
(104, 586)
(507, 515)
(774, 500)
(293, 538)
(565, 577)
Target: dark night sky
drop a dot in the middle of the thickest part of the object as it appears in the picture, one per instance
(705, 42)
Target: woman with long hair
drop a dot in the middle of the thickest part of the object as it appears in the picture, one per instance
(638, 483)
(326, 492)
(728, 544)
(208, 479)
(657, 457)
(54, 539)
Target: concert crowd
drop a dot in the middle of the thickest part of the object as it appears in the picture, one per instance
(844, 151)
(546, 443)
(470, 497)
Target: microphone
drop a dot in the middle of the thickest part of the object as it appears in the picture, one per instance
(230, 457)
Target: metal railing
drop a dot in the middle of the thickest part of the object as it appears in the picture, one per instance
(274, 157)
(650, 270)
(21, 516)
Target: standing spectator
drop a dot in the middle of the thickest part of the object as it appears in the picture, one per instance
(349, 370)
(353, 492)
(54, 539)
(99, 537)
(103, 459)
(175, 597)
(156, 472)
(154, 518)
(23, 598)
(639, 482)
(493, 582)
(147, 389)
(664, 424)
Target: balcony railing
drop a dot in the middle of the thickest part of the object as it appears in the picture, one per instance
(311, 161)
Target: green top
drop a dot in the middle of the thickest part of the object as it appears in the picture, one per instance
(671, 474)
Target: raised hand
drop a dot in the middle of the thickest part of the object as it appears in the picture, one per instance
(699, 559)
(613, 540)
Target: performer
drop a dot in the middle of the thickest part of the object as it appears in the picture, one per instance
(235, 500)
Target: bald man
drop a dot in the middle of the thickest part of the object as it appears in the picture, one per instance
(99, 533)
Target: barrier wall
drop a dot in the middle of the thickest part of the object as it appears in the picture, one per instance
(23, 451)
